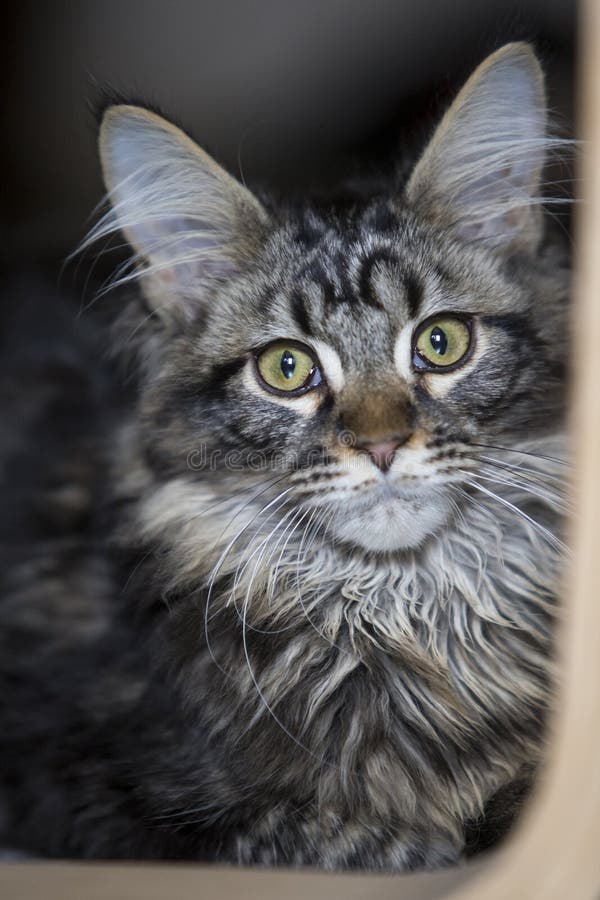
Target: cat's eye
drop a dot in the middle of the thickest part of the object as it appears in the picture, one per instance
(442, 343)
(286, 367)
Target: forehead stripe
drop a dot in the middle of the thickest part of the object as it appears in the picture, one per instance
(300, 313)
(414, 294)
(317, 274)
(367, 293)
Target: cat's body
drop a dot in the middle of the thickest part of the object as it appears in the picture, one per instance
(257, 640)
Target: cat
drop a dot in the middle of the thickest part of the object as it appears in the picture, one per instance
(290, 600)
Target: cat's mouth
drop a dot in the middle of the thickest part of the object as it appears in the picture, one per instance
(390, 516)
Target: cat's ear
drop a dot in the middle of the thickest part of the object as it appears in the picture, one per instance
(480, 174)
(192, 225)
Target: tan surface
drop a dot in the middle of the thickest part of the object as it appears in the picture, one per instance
(175, 882)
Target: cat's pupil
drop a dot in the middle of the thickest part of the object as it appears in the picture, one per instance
(438, 341)
(288, 364)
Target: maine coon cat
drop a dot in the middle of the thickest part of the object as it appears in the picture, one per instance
(294, 603)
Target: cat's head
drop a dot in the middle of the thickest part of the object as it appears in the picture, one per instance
(362, 360)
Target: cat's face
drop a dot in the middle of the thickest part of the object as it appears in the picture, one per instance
(369, 364)
(360, 362)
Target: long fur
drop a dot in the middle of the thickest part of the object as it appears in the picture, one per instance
(228, 635)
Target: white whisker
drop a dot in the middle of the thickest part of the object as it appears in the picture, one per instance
(519, 512)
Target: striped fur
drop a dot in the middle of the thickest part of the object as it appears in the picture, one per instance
(292, 657)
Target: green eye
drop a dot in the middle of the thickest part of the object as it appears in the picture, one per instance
(442, 343)
(288, 368)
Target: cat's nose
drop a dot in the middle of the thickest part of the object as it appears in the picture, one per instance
(383, 452)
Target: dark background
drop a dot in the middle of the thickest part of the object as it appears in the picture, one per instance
(284, 90)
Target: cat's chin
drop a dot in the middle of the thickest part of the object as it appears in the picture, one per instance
(391, 523)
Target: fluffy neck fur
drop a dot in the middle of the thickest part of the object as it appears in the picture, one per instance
(375, 689)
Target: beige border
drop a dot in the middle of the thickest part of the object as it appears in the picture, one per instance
(77, 881)
(555, 854)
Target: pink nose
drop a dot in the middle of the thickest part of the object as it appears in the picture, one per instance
(383, 452)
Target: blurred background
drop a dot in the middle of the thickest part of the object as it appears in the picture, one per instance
(283, 91)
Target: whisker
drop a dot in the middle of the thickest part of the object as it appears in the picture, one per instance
(260, 693)
(321, 517)
(240, 509)
(291, 528)
(552, 539)
(531, 489)
(278, 564)
(218, 565)
(554, 459)
(515, 467)
(242, 530)
(485, 510)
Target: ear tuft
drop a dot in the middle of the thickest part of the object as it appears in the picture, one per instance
(480, 174)
(192, 225)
